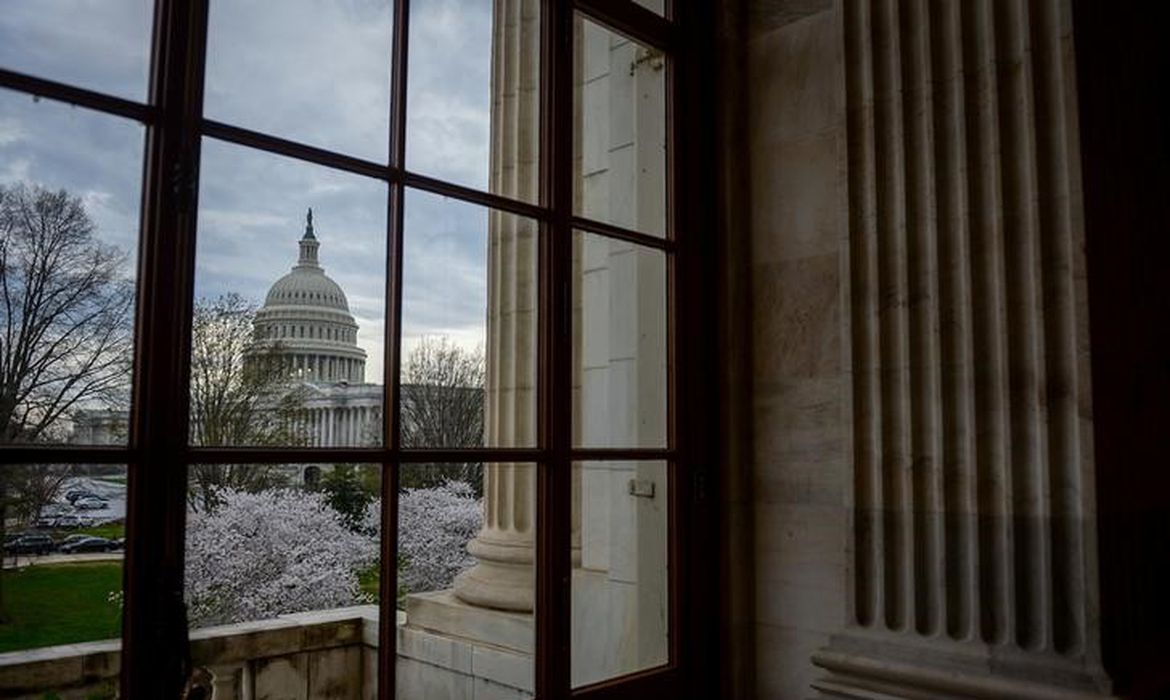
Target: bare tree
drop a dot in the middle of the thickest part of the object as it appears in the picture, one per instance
(66, 328)
(241, 395)
(25, 489)
(66, 334)
(442, 406)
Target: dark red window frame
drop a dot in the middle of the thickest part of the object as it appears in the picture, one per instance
(154, 638)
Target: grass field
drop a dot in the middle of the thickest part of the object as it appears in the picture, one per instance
(111, 531)
(59, 604)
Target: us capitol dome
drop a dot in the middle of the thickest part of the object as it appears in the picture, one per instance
(306, 322)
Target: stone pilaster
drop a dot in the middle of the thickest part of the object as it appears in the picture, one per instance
(973, 533)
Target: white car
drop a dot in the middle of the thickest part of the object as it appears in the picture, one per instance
(90, 503)
(72, 521)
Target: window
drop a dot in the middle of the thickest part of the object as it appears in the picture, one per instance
(481, 203)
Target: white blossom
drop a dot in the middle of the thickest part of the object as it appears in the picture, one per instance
(434, 527)
(258, 555)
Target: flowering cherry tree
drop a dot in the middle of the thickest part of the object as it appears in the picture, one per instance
(434, 527)
(258, 555)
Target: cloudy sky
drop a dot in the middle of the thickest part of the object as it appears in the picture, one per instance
(277, 70)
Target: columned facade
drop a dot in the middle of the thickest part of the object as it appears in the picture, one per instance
(342, 415)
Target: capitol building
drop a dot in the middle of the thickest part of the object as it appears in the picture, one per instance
(306, 324)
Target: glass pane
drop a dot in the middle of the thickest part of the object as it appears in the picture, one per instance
(619, 347)
(466, 582)
(297, 547)
(102, 46)
(621, 576)
(310, 71)
(658, 7)
(289, 309)
(620, 163)
(473, 104)
(63, 528)
(469, 325)
(70, 187)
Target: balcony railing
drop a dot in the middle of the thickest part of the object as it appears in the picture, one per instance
(324, 655)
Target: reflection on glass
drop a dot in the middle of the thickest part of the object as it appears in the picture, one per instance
(69, 194)
(619, 347)
(466, 580)
(296, 546)
(310, 71)
(473, 104)
(469, 325)
(63, 528)
(656, 6)
(620, 163)
(289, 309)
(102, 46)
(621, 575)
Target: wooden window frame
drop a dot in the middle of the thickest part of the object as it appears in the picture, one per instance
(154, 632)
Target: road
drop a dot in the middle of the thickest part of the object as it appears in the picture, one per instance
(113, 491)
(48, 559)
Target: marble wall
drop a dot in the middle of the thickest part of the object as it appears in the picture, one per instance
(799, 385)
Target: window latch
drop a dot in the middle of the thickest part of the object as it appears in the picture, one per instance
(641, 488)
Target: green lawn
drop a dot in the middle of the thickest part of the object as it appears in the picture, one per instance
(59, 604)
(110, 531)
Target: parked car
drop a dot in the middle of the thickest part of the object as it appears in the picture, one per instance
(69, 539)
(66, 522)
(88, 544)
(73, 494)
(46, 521)
(54, 509)
(119, 543)
(91, 503)
(30, 544)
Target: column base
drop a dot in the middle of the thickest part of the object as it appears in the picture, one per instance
(886, 666)
(503, 578)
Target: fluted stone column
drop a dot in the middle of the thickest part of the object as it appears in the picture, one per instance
(503, 576)
(973, 531)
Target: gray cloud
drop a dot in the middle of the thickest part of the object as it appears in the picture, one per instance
(97, 44)
(92, 155)
(317, 71)
(448, 90)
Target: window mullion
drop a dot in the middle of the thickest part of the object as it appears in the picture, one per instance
(392, 375)
(154, 625)
(554, 477)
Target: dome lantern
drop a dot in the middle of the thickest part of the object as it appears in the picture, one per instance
(309, 244)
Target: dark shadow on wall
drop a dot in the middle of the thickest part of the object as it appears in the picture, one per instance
(1122, 64)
